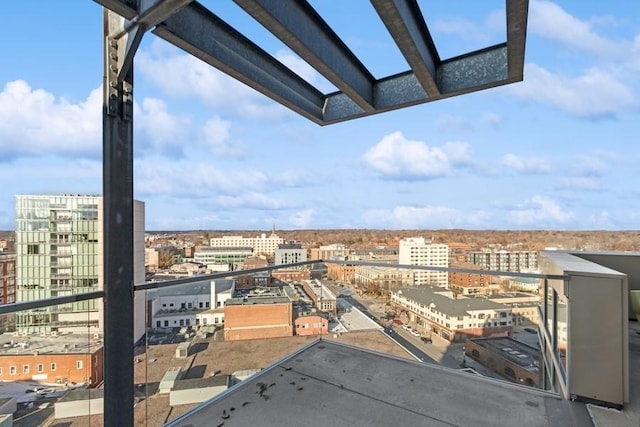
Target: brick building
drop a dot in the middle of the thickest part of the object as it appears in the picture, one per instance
(512, 359)
(259, 314)
(341, 272)
(311, 325)
(60, 360)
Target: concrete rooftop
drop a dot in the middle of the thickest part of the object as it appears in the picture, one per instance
(332, 384)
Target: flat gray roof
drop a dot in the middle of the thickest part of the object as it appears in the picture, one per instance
(428, 295)
(332, 384)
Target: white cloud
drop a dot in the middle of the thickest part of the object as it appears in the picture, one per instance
(411, 217)
(526, 165)
(580, 183)
(304, 70)
(453, 123)
(191, 179)
(496, 121)
(302, 219)
(549, 20)
(163, 132)
(185, 76)
(250, 200)
(462, 28)
(216, 136)
(590, 165)
(35, 123)
(397, 157)
(540, 212)
(596, 93)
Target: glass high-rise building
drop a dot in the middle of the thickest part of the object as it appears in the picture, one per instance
(59, 251)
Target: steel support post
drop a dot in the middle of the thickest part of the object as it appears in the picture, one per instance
(117, 225)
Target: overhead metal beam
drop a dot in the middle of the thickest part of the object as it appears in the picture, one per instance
(516, 37)
(475, 71)
(300, 27)
(128, 9)
(202, 34)
(406, 25)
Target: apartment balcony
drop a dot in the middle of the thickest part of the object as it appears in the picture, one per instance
(327, 381)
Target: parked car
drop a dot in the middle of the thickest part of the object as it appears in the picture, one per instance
(415, 333)
(426, 340)
(405, 327)
(531, 330)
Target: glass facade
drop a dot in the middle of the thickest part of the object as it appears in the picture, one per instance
(57, 254)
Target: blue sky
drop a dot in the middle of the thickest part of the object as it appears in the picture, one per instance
(557, 151)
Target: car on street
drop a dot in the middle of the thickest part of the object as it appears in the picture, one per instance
(426, 340)
(531, 330)
(414, 333)
(405, 327)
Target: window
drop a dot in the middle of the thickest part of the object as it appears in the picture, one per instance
(166, 323)
(53, 366)
(33, 250)
(79, 364)
(158, 324)
(12, 370)
(25, 369)
(40, 367)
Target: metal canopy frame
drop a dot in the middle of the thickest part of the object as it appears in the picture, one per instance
(195, 29)
(192, 27)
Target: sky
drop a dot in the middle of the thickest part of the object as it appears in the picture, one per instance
(560, 150)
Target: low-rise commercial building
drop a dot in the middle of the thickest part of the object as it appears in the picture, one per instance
(440, 312)
(382, 279)
(322, 297)
(60, 359)
(258, 313)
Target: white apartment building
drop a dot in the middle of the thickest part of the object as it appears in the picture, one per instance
(516, 261)
(262, 244)
(59, 252)
(418, 251)
(288, 253)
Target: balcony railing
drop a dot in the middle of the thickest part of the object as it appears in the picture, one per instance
(556, 375)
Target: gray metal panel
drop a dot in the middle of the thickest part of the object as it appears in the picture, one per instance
(474, 71)
(404, 21)
(298, 25)
(201, 33)
(516, 36)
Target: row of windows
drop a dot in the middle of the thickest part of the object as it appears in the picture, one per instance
(13, 370)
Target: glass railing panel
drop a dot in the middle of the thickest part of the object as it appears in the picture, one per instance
(52, 356)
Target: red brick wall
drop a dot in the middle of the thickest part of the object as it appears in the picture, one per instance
(316, 325)
(65, 371)
(244, 322)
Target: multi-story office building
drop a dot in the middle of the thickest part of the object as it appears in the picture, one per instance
(288, 253)
(262, 244)
(7, 278)
(505, 260)
(418, 251)
(216, 256)
(59, 251)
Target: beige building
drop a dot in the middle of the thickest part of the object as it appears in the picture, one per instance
(418, 251)
(260, 245)
(437, 311)
(382, 279)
